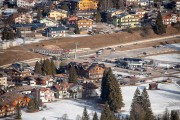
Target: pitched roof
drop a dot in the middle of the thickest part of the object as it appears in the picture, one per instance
(59, 28)
(63, 86)
(89, 85)
(23, 88)
(9, 97)
(32, 25)
(95, 64)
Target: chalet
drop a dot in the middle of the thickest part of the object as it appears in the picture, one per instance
(153, 86)
(62, 90)
(8, 103)
(72, 20)
(14, 73)
(76, 91)
(3, 79)
(85, 23)
(95, 71)
(46, 95)
(60, 78)
(89, 90)
(45, 81)
(166, 19)
(92, 71)
(87, 5)
(169, 18)
(24, 18)
(29, 80)
(55, 31)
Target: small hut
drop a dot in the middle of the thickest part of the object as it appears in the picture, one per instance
(153, 86)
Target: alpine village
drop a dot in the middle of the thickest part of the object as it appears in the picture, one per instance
(89, 60)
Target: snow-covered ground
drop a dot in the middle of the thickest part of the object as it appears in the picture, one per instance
(167, 97)
(56, 110)
(166, 57)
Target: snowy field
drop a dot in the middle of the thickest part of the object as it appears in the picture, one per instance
(70, 107)
(166, 57)
(167, 97)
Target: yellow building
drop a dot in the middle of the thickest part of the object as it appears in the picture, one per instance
(85, 23)
(127, 21)
(24, 18)
(87, 5)
(58, 14)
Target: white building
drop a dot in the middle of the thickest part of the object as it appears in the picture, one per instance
(26, 3)
(178, 6)
(46, 95)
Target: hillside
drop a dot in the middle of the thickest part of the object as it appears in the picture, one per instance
(15, 54)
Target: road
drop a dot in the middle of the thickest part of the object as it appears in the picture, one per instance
(167, 38)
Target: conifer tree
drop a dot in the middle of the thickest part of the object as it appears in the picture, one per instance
(147, 105)
(33, 105)
(107, 114)
(174, 115)
(98, 17)
(115, 100)
(76, 30)
(72, 75)
(39, 14)
(47, 67)
(166, 115)
(137, 112)
(65, 7)
(85, 115)
(53, 68)
(95, 117)
(18, 111)
(104, 86)
(18, 33)
(38, 68)
(110, 91)
(7, 34)
(159, 26)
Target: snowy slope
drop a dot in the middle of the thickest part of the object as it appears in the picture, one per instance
(167, 97)
(56, 109)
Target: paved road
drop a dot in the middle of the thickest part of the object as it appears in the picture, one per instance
(92, 52)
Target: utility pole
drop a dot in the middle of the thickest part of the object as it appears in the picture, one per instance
(75, 55)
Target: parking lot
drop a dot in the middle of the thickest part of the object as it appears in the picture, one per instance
(141, 52)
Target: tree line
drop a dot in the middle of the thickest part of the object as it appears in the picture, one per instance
(45, 67)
